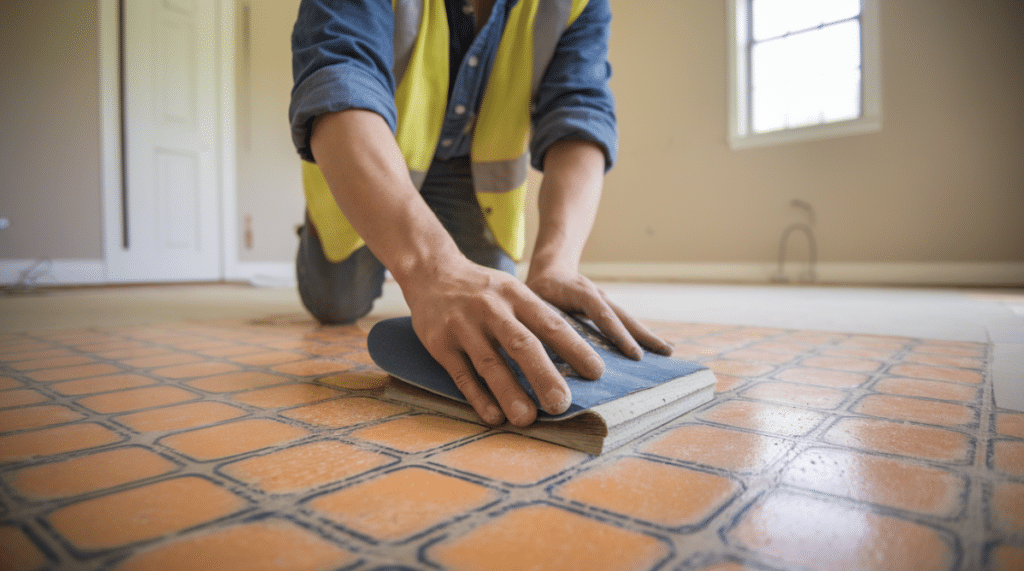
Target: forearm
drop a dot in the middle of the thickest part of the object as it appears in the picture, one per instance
(368, 177)
(568, 199)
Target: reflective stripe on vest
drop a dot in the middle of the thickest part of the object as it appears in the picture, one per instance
(500, 156)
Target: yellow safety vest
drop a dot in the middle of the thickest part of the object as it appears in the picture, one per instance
(500, 148)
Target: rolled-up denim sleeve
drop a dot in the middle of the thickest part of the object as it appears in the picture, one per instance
(342, 58)
(574, 100)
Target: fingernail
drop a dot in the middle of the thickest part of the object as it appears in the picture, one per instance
(518, 412)
(492, 415)
(558, 401)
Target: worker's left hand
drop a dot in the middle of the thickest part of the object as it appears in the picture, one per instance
(575, 294)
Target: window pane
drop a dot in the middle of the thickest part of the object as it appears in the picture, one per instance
(772, 18)
(806, 79)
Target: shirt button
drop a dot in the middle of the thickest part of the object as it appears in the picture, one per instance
(446, 143)
(473, 61)
(460, 109)
(467, 9)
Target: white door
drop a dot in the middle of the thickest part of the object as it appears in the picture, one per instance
(172, 197)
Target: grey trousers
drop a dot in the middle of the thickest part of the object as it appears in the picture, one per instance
(343, 292)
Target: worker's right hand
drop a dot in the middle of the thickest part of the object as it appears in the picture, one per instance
(464, 313)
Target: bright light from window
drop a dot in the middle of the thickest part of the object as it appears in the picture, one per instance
(805, 63)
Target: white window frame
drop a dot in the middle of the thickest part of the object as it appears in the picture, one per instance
(741, 136)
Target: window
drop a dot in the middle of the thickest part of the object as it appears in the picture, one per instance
(802, 69)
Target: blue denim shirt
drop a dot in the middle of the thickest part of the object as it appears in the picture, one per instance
(342, 58)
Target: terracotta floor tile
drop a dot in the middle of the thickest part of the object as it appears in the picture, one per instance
(946, 361)
(305, 466)
(808, 533)
(1006, 558)
(357, 380)
(418, 433)
(9, 383)
(230, 350)
(842, 364)
(774, 419)
(875, 341)
(132, 353)
(925, 411)
(510, 458)
(188, 371)
(101, 384)
(312, 367)
(56, 440)
(69, 373)
(8, 356)
(1008, 457)
(815, 337)
(661, 494)
(738, 368)
(89, 473)
(37, 417)
(796, 394)
(725, 566)
(822, 377)
(50, 363)
(240, 381)
(1010, 424)
(286, 395)
(144, 513)
(880, 480)
(1007, 507)
(360, 358)
(269, 358)
(232, 438)
(922, 388)
(546, 538)
(165, 360)
(180, 416)
(901, 438)
(725, 383)
(792, 348)
(937, 373)
(264, 545)
(136, 399)
(18, 551)
(952, 349)
(402, 503)
(732, 450)
(21, 397)
(869, 353)
(110, 345)
(759, 356)
(339, 413)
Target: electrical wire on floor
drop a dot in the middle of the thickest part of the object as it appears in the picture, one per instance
(811, 274)
(28, 278)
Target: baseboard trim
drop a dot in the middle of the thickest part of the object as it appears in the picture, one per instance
(46, 272)
(264, 274)
(1006, 274)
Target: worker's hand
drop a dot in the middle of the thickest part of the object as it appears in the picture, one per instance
(574, 293)
(467, 312)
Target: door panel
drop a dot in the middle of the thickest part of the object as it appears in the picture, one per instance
(171, 154)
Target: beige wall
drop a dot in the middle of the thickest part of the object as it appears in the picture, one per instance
(49, 130)
(942, 182)
(269, 174)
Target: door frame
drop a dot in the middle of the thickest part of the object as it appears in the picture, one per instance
(111, 167)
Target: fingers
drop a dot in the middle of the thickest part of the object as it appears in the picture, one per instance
(466, 380)
(527, 351)
(641, 333)
(553, 330)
